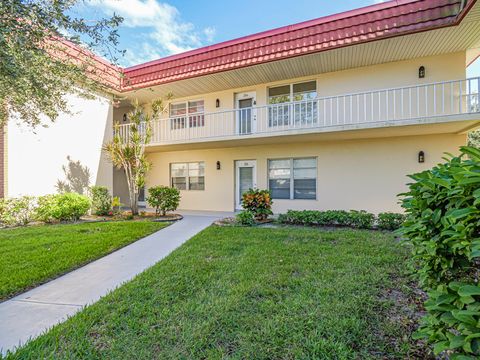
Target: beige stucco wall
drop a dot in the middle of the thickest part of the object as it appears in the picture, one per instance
(389, 75)
(378, 166)
(35, 158)
(352, 174)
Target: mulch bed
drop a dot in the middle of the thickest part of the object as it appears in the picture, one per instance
(231, 221)
(126, 216)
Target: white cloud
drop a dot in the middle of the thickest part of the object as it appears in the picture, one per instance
(209, 33)
(164, 29)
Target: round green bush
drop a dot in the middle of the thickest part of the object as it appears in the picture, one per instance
(62, 207)
(163, 199)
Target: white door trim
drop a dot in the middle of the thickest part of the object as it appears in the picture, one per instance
(239, 164)
(245, 96)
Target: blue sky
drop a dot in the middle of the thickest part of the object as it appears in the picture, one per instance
(156, 28)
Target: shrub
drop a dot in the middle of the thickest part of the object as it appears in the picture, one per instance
(163, 199)
(116, 204)
(46, 208)
(353, 218)
(246, 217)
(259, 202)
(333, 218)
(17, 211)
(443, 227)
(71, 206)
(361, 219)
(62, 207)
(101, 200)
(390, 221)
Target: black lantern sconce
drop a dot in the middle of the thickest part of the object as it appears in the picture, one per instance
(217, 103)
(421, 72)
(218, 165)
(421, 157)
(124, 117)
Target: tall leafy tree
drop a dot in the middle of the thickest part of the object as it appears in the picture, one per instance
(36, 72)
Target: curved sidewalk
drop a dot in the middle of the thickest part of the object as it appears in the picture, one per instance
(29, 314)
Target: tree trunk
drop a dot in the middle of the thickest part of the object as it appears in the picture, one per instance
(134, 202)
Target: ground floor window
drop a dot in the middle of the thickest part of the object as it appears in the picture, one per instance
(293, 178)
(188, 176)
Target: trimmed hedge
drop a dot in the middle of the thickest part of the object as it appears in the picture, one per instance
(390, 221)
(353, 218)
(49, 208)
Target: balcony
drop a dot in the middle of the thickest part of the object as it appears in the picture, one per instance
(440, 102)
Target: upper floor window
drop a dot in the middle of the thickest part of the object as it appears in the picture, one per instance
(188, 176)
(187, 114)
(304, 110)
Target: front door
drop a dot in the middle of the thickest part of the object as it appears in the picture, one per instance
(245, 171)
(246, 113)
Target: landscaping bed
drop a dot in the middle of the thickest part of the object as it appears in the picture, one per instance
(240, 292)
(32, 255)
(144, 215)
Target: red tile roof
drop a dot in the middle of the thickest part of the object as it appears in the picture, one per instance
(380, 21)
(97, 68)
(375, 22)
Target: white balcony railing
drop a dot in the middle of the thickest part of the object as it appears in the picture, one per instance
(386, 106)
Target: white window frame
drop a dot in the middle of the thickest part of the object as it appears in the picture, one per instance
(287, 103)
(292, 179)
(187, 177)
(291, 89)
(187, 115)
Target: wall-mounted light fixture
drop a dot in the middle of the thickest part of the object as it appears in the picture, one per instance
(421, 157)
(124, 117)
(421, 72)
(217, 103)
(218, 165)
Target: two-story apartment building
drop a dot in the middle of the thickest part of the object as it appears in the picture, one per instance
(331, 113)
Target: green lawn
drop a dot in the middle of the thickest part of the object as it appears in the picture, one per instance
(33, 255)
(250, 293)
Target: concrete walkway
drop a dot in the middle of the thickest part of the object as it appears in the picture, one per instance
(29, 314)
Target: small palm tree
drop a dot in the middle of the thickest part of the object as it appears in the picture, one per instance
(127, 149)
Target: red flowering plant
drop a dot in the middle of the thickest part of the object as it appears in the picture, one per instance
(259, 202)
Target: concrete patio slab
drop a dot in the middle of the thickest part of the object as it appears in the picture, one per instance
(28, 315)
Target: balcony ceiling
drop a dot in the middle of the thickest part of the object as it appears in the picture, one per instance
(462, 37)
